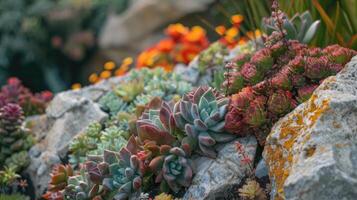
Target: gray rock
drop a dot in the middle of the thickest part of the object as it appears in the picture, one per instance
(143, 18)
(312, 152)
(261, 169)
(68, 114)
(215, 177)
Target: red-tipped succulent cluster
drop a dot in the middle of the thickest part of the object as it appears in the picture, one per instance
(15, 92)
(271, 82)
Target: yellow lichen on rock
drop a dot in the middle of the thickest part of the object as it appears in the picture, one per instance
(291, 133)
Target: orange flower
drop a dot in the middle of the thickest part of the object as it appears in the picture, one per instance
(93, 78)
(109, 65)
(105, 74)
(165, 45)
(176, 31)
(221, 30)
(196, 34)
(237, 19)
(254, 34)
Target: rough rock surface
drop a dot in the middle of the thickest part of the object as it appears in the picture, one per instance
(144, 17)
(215, 177)
(312, 152)
(68, 114)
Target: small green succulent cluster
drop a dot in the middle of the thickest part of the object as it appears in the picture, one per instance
(14, 139)
(95, 140)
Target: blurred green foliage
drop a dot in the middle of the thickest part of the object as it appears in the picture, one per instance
(44, 42)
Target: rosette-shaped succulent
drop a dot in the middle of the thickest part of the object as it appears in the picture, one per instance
(80, 188)
(125, 172)
(201, 114)
(281, 102)
(11, 117)
(304, 93)
(112, 104)
(59, 177)
(130, 89)
(84, 143)
(158, 124)
(173, 168)
(14, 140)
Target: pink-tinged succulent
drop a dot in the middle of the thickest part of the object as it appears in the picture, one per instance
(256, 114)
(304, 93)
(251, 74)
(281, 102)
(263, 59)
(173, 169)
(241, 59)
(15, 92)
(201, 114)
(297, 64)
(317, 68)
(282, 79)
(11, 117)
(298, 80)
(158, 124)
(338, 54)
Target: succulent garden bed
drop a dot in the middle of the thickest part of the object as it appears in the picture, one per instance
(232, 124)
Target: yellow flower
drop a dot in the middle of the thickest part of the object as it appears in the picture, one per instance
(164, 196)
(220, 29)
(109, 65)
(105, 74)
(76, 86)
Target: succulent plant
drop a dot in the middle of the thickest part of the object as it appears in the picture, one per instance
(112, 104)
(128, 91)
(84, 143)
(59, 177)
(125, 172)
(214, 55)
(15, 92)
(14, 139)
(271, 82)
(158, 124)
(201, 114)
(300, 27)
(173, 168)
(251, 190)
(80, 188)
(14, 197)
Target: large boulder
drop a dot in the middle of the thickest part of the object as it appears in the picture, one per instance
(216, 177)
(143, 17)
(312, 152)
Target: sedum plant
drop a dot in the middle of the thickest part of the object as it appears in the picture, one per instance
(14, 139)
(201, 114)
(15, 92)
(59, 180)
(111, 104)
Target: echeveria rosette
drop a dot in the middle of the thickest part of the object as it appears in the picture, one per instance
(125, 171)
(201, 114)
(158, 124)
(80, 188)
(173, 168)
